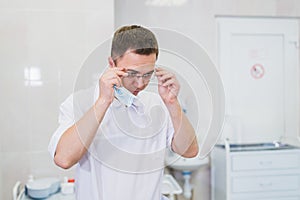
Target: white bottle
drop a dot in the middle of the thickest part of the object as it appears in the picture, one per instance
(68, 186)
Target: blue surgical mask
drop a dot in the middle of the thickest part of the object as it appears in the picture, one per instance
(124, 96)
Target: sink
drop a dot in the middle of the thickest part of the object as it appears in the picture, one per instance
(258, 146)
(186, 166)
(177, 162)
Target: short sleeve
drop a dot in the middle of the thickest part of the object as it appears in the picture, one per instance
(66, 119)
(170, 132)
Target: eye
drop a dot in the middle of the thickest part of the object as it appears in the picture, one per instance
(148, 74)
(131, 74)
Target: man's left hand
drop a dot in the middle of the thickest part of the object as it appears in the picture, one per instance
(168, 85)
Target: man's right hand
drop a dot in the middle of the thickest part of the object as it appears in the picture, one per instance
(112, 76)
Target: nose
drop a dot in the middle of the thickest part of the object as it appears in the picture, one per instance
(139, 82)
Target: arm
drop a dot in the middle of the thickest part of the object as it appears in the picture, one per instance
(184, 141)
(76, 140)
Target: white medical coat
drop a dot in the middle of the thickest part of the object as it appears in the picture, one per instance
(126, 158)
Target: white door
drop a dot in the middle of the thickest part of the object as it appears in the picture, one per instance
(258, 59)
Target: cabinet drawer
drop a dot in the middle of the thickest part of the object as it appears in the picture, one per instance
(269, 198)
(265, 183)
(266, 161)
(281, 198)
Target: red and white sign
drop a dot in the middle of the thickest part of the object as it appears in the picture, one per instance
(257, 71)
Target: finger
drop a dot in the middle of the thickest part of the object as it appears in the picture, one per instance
(114, 81)
(169, 83)
(159, 82)
(115, 69)
(166, 76)
(112, 75)
(117, 81)
(120, 69)
(121, 73)
(160, 71)
(116, 72)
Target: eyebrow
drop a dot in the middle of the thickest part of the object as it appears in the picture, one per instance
(134, 71)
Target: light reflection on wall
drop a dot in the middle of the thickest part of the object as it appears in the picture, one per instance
(165, 3)
(32, 77)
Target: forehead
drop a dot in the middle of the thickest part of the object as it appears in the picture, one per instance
(131, 60)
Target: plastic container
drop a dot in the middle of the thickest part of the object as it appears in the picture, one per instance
(42, 188)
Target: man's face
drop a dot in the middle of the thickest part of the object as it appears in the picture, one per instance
(140, 69)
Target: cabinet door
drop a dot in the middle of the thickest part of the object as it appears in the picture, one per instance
(258, 59)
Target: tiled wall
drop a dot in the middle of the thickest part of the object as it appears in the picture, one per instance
(42, 47)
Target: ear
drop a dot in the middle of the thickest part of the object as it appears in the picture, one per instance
(111, 62)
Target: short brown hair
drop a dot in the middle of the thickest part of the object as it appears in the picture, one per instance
(136, 38)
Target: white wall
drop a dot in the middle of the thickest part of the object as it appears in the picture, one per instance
(196, 19)
(54, 37)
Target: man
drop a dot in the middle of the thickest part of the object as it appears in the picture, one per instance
(120, 149)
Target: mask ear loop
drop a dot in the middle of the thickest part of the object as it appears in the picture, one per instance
(154, 73)
(138, 106)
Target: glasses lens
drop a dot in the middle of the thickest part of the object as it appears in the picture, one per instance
(132, 75)
(148, 76)
(136, 75)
